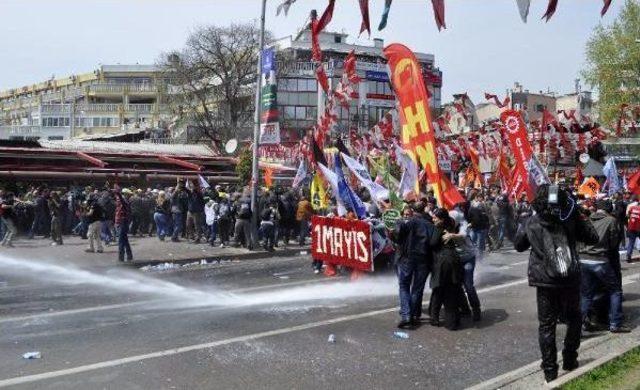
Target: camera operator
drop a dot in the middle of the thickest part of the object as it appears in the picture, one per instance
(554, 270)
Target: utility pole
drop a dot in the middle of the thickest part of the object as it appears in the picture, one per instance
(255, 172)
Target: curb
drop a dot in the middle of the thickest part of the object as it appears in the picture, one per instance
(581, 371)
(250, 255)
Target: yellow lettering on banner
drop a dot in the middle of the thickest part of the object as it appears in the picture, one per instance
(427, 156)
(416, 116)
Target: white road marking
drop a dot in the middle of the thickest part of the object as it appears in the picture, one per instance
(511, 265)
(196, 347)
(145, 302)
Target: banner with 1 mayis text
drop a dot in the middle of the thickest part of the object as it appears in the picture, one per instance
(344, 242)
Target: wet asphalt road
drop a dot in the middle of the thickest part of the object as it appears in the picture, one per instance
(264, 324)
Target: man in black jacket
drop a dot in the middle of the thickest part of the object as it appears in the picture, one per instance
(413, 236)
(554, 270)
(600, 264)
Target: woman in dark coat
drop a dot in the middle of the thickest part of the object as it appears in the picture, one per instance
(446, 277)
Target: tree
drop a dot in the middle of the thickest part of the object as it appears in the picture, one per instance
(244, 166)
(613, 63)
(213, 79)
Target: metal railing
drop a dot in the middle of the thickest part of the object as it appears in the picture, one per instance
(121, 88)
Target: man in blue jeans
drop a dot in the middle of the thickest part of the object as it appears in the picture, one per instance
(478, 225)
(413, 236)
(179, 205)
(598, 264)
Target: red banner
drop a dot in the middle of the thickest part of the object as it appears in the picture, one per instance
(516, 132)
(342, 242)
(418, 136)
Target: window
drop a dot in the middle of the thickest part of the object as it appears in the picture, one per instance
(337, 39)
(289, 112)
(540, 107)
(301, 112)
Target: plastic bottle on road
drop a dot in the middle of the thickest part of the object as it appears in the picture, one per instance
(332, 338)
(401, 335)
(32, 355)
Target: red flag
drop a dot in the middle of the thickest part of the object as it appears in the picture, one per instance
(551, 9)
(323, 80)
(634, 183)
(317, 26)
(497, 101)
(438, 13)
(350, 68)
(268, 177)
(605, 8)
(364, 10)
(579, 177)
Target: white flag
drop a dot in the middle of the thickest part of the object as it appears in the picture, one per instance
(284, 7)
(523, 7)
(409, 181)
(332, 179)
(300, 175)
(378, 192)
(203, 182)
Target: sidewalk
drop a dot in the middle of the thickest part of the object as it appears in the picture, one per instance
(146, 251)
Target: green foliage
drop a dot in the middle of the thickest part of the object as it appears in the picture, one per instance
(613, 63)
(612, 375)
(243, 169)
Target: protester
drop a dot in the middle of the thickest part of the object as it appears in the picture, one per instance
(554, 270)
(94, 217)
(478, 225)
(446, 276)
(55, 207)
(303, 216)
(600, 264)
(414, 236)
(122, 220)
(633, 228)
(8, 219)
(162, 216)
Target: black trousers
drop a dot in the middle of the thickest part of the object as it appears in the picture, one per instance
(448, 296)
(554, 303)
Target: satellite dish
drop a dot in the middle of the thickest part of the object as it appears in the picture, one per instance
(584, 158)
(231, 146)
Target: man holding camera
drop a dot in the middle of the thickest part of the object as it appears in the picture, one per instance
(554, 269)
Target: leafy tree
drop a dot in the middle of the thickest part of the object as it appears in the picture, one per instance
(613, 62)
(244, 168)
(213, 79)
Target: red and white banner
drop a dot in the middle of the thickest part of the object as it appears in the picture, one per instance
(341, 241)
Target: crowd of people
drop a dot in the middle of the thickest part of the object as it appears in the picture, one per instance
(575, 243)
(220, 216)
(574, 262)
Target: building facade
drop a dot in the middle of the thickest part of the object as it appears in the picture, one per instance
(112, 100)
(300, 100)
(534, 104)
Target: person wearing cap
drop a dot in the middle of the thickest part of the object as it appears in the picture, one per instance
(122, 221)
(600, 265)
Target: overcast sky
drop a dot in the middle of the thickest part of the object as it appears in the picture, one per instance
(485, 48)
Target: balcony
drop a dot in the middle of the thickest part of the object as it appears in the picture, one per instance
(65, 109)
(123, 88)
(33, 132)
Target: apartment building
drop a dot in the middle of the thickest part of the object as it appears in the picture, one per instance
(112, 100)
(300, 99)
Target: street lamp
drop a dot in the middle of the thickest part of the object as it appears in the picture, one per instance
(255, 172)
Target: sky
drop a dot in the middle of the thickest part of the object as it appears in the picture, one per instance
(486, 47)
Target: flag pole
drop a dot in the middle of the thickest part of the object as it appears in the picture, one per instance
(255, 172)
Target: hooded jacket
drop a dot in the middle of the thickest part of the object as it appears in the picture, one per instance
(609, 238)
(537, 234)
